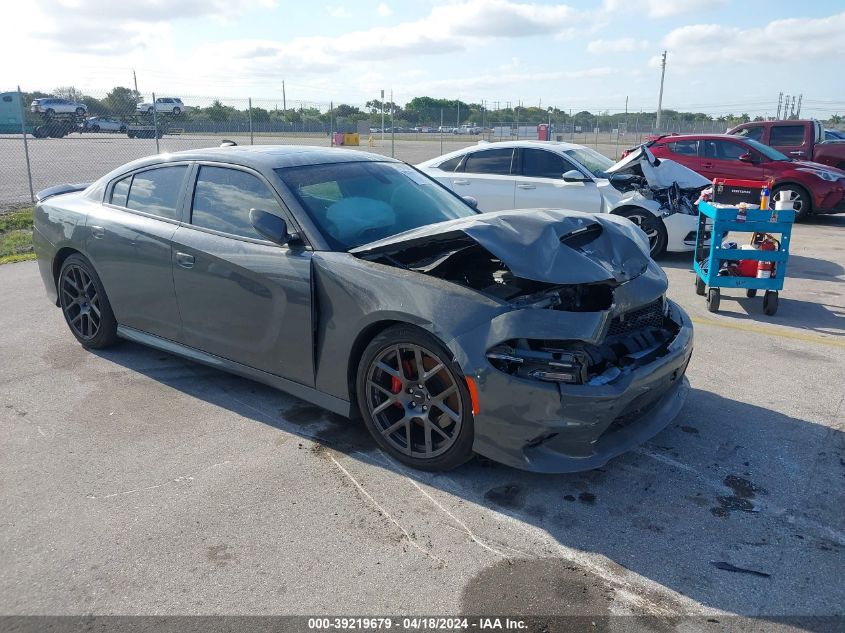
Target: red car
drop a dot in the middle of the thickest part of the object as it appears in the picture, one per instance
(813, 187)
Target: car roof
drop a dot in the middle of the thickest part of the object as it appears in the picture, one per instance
(670, 138)
(553, 145)
(265, 156)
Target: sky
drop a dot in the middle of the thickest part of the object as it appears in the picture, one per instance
(724, 56)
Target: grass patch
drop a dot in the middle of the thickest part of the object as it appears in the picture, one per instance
(16, 236)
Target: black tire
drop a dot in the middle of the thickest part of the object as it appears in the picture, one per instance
(80, 112)
(50, 112)
(122, 129)
(770, 302)
(801, 199)
(95, 128)
(751, 293)
(411, 401)
(130, 134)
(699, 286)
(652, 226)
(82, 297)
(713, 300)
(177, 111)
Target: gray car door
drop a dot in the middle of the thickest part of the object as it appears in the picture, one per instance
(129, 244)
(240, 296)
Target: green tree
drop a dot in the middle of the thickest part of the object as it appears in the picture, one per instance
(120, 101)
(218, 112)
(69, 92)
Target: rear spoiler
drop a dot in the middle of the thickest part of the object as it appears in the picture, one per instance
(58, 190)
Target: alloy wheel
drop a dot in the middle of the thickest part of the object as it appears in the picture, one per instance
(80, 301)
(413, 400)
(647, 226)
(790, 195)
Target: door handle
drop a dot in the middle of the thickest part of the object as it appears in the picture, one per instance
(98, 232)
(526, 185)
(797, 153)
(708, 165)
(460, 181)
(185, 260)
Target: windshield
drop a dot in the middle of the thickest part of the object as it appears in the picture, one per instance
(597, 164)
(769, 152)
(357, 203)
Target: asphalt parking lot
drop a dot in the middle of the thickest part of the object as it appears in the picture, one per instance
(134, 482)
(86, 157)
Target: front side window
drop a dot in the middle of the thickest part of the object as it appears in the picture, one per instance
(490, 161)
(539, 163)
(597, 164)
(356, 203)
(223, 198)
(787, 135)
(723, 150)
(755, 132)
(156, 191)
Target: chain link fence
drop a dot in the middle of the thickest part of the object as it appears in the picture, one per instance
(77, 137)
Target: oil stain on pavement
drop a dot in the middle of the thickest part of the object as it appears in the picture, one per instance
(744, 492)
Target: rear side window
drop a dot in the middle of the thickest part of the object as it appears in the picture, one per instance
(223, 198)
(786, 135)
(539, 163)
(684, 148)
(120, 191)
(451, 164)
(156, 191)
(491, 161)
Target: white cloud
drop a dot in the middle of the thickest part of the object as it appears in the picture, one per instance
(790, 40)
(338, 12)
(383, 10)
(620, 45)
(661, 8)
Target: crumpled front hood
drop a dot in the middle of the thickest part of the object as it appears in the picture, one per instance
(548, 245)
(659, 172)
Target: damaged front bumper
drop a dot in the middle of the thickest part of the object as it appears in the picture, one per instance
(557, 428)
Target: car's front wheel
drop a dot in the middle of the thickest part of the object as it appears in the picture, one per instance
(80, 111)
(652, 226)
(799, 198)
(177, 111)
(84, 303)
(95, 128)
(414, 400)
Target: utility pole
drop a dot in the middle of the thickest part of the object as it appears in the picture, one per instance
(382, 118)
(284, 99)
(792, 108)
(135, 79)
(660, 98)
(798, 112)
(780, 97)
(392, 126)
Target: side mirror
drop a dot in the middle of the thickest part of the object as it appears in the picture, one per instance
(746, 158)
(470, 201)
(573, 175)
(270, 226)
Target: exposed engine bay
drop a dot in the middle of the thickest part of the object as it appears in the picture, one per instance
(674, 187)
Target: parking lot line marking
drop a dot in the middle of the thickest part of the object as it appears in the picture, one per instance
(757, 328)
(387, 514)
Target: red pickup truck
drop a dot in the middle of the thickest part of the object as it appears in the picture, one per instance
(800, 140)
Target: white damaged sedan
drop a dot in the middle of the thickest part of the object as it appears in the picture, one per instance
(658, 195)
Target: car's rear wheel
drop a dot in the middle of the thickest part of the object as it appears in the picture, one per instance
(652, 226)
(84, 303)
(50, 112)
(80, 111)
(177, 110)
(799, 198)
(414, 400)
(95, 128)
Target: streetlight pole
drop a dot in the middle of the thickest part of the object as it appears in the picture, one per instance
(660, 98)
(382, 118)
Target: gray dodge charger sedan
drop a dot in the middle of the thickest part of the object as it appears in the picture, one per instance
(539, 338)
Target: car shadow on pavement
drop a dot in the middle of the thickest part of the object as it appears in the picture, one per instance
(799, 267)
(734, 505)
(825, 318)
